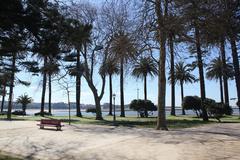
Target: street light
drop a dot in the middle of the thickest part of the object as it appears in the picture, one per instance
(114, 108)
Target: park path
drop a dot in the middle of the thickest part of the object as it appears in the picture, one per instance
(95, 142)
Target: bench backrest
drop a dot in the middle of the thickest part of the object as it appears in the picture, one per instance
(51, 121)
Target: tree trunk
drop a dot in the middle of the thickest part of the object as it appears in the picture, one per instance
(49, 94)
(172, 71)
(78, 87)
(145, 87)
(110, 94)
(3, 97)
(182, 96)
(43, 89)
(236, 66)
(225, 79)
(98, 107)
(9, 113)
(161, 119)
(122, 90)
(221, 90)
(201, 74)
(24, 108)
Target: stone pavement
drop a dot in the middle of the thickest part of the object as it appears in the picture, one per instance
(95, 142)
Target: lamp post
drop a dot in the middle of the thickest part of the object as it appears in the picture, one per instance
(114, 108)
(137, 93)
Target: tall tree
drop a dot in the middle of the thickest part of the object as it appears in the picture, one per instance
(195, 13)
(111, 67)
(46, 36)
(76, 35)
(12, 41)
(216, 71)
(183, 75)
(123, 47)
(231, 11)
(52, 68)
(161, 12)
(146, 66)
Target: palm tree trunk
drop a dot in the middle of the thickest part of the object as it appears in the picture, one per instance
(236, 66)
(49, 94)
(172, 70)
(201, 74)
(225, 79)
(3, 97)
(122, 90)
(110, 94)
(11, 86)
(43, 89)
(182, 96)
(24, 108)
(161, 119)
(78, 87)
(145, 87)
(221, 89)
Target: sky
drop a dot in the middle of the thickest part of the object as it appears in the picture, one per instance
(130, 87)
(130, 90)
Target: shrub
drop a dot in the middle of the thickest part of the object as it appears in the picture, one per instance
(91, 110)
(214, 109)
(142, 106)
(192, 103)
(19, 112)
(227, 109)
(44, 114)
(238, 103)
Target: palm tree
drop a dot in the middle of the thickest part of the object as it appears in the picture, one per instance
(216, 71)
(183, 75)
(111, 67)
(52, 68)
(24, 100)
(76, 36)
(124, 49)
(145, 66)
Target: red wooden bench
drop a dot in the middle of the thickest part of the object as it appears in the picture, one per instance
(51, 123)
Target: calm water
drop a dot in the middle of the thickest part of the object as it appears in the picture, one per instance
(64, 112)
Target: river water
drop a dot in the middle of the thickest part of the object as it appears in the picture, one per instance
(64, 112)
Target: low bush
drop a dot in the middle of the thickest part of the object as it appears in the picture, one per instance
(192, 103)
(19, 113)
(214, 109)
(227, 109)
(44, 114)
(91, 110)
(238, 103)
(142, 107)
(3, 113)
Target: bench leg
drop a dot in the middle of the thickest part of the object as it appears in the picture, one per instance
(41, 127)
(58, 128)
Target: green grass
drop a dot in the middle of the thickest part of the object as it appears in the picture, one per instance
(172, 121)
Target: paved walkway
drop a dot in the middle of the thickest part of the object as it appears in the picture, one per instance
(90, 142)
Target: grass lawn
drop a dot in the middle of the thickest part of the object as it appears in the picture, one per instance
(172, 121)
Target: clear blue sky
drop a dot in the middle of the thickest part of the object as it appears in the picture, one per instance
(130, 88)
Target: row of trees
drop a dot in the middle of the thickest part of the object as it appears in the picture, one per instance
(194, 24)
(78, 40)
